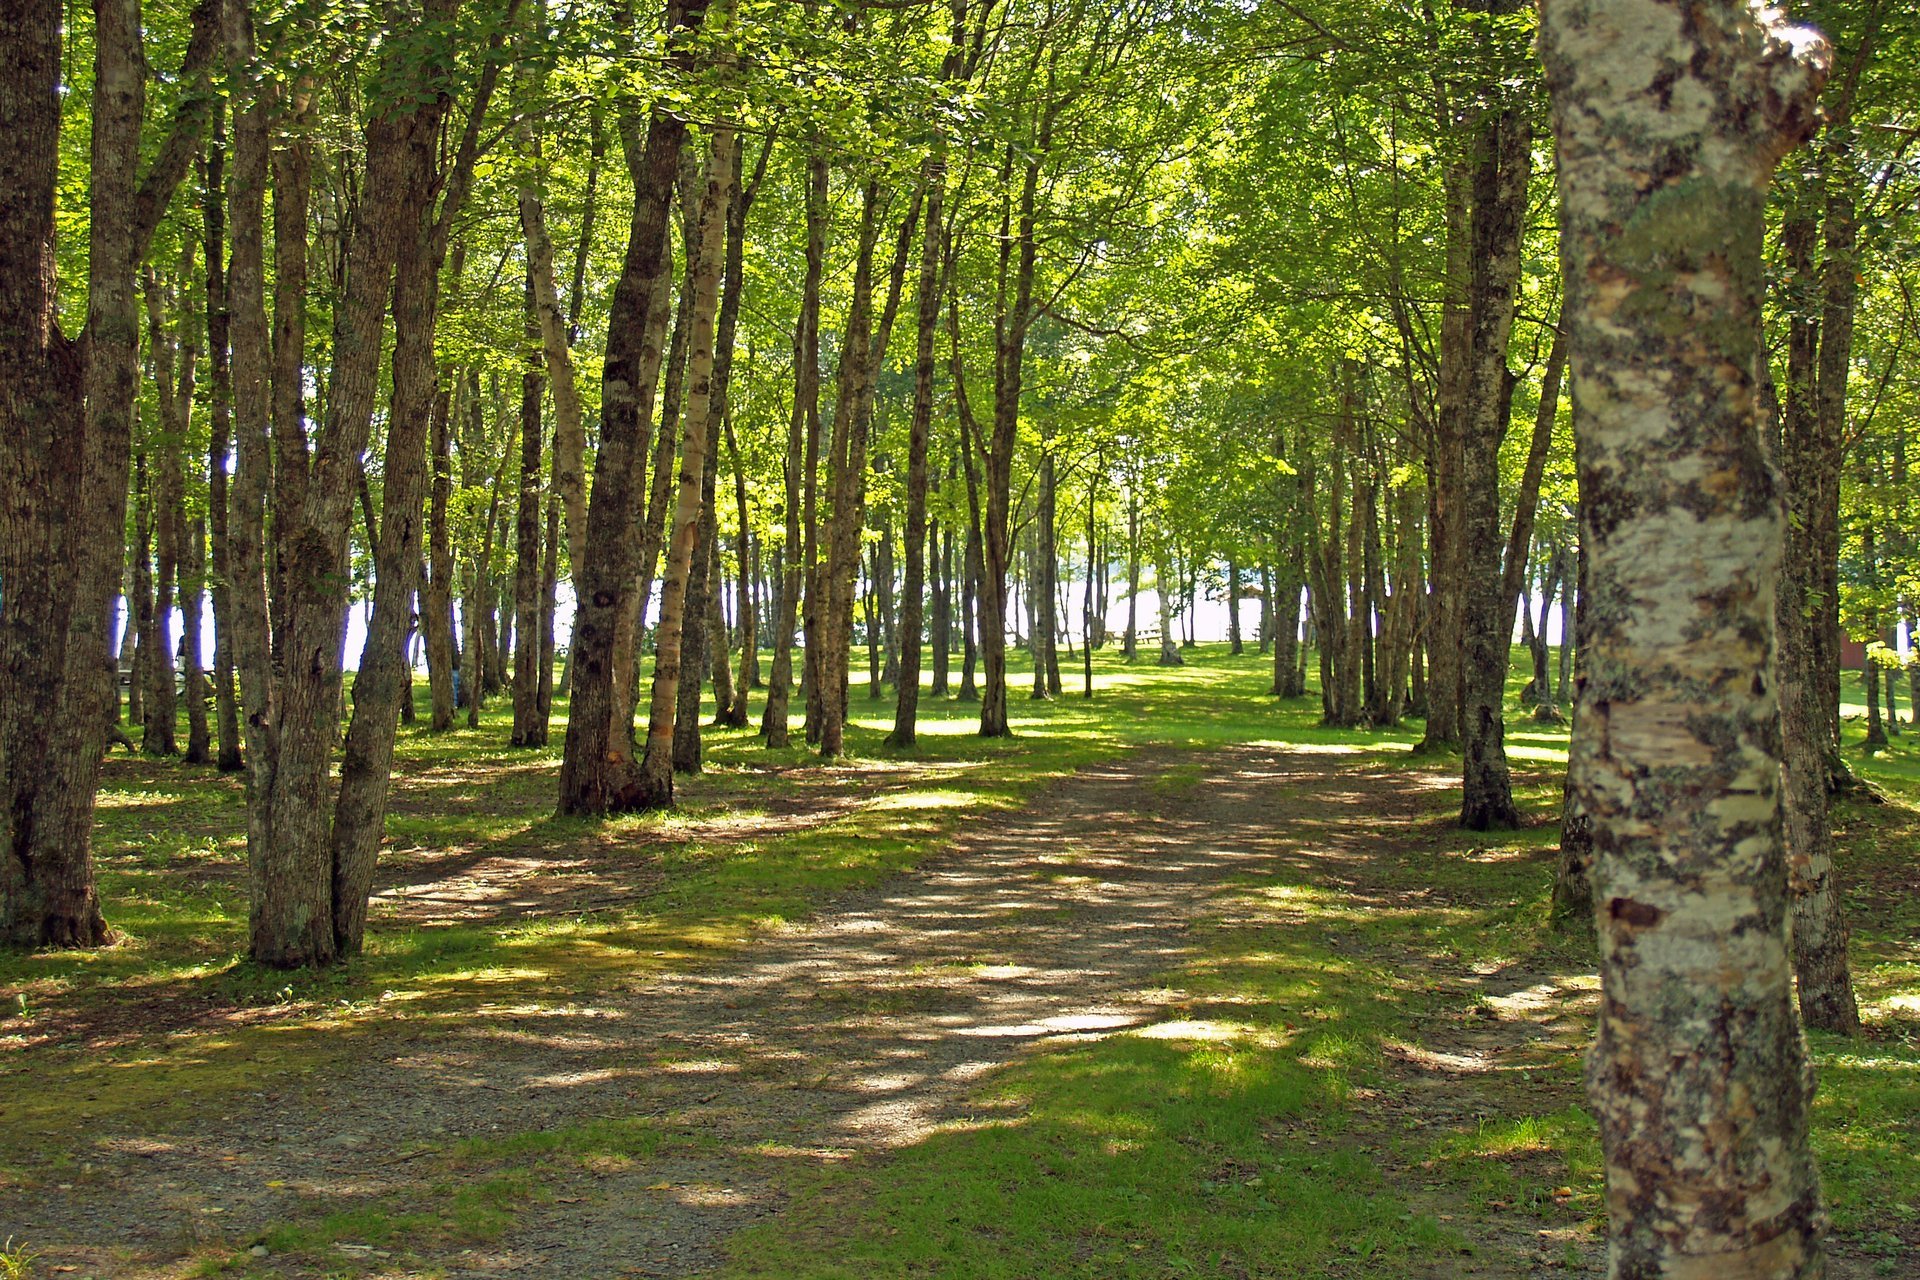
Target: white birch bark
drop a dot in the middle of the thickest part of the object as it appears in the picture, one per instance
(1670, 116)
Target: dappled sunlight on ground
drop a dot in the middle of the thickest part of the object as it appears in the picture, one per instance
(874, 1029)
(1244, 1000)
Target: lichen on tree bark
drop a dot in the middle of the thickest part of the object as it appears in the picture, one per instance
(1670, 118)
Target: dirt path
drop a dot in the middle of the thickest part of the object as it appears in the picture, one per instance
(849, 1036)
(687, 1098)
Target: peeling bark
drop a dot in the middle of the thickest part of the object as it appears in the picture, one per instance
(1670, 118)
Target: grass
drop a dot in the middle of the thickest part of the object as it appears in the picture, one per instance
(1276, 1135)
(16, 1261)
(1252, 1135)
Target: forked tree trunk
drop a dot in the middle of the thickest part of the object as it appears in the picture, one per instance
(863, 353)
(1013, 318)
(720, 424)
(704, 641)
(1808, 670)
(1164, 577)
(1670, 118)
(311, 852)
(803, 448)
(906, 708)
(826, 710)
(651, 533)
(1526, 504)
(269, 891)
(652, 784)
(597, 770)
(383, 684)
(550, 330)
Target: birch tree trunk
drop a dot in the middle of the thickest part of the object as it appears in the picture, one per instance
(803, 448)
(906, 708)
(140, 587)
(1018, 251)
(970, 595)
(1130, 645)
(1046, 563)
(1526, 503)
(311, 851)
(730, 698)
(1812, 435)
(436, 593)
(569, 429)
(705, 643)
(843, 471)
(1572, 901)
(652, 785)
(1670, 118)
(736, 713)
(696, 630)
(1164, 579)
(193, 577)
(863, 352)
(940, 560)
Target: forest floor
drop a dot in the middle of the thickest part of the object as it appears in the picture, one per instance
(1180, 984)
